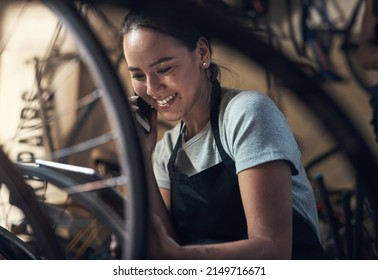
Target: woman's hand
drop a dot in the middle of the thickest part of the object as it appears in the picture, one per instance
(148, 140)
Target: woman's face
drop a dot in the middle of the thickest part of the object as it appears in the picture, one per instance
(166, 74)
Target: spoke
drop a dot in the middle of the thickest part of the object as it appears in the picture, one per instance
(97, 185)
(50, 50)
(26, 130)
(74, 61)
(82, 102)
(84, 146)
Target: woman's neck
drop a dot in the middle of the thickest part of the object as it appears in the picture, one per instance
(200, 115)
(191, 131)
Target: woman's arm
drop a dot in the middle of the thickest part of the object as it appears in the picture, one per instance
(266, 197)
(157, 200)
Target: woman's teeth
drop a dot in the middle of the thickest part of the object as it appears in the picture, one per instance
(165, 100)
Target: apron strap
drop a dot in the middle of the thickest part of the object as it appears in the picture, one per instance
(171, 162)
(214, 121)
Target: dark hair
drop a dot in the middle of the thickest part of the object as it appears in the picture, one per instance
(172, 22)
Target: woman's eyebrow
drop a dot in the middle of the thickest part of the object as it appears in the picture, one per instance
(161, 60)
(158, 61)
(131, 68)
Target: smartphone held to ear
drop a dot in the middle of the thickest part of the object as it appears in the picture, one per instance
(143, 115)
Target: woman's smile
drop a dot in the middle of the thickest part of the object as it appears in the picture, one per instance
(165, 102)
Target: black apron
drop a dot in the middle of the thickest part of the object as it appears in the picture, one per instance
(207, 207)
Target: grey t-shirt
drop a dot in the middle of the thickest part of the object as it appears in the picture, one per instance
(252, 131)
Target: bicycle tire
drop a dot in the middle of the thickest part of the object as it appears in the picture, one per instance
(132, 161)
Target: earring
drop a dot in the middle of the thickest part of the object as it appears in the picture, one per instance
(204, 65)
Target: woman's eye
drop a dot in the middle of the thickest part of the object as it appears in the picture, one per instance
(164, 70)
(137, 76)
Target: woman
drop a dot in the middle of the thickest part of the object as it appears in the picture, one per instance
(227, 182)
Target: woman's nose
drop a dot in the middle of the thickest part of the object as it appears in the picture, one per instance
(153, 85)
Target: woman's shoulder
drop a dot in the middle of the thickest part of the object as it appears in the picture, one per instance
(241, 101)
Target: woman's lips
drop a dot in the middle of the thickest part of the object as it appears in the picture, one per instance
(164, 103)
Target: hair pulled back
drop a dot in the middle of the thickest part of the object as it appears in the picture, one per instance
(173, 22)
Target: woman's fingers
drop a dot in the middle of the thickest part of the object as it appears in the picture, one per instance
(133, 101)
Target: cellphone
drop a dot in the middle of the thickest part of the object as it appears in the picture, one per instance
(143, 114)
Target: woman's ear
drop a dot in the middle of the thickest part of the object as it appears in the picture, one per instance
(203, 48)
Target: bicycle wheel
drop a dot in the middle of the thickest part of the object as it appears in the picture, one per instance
(71, 104)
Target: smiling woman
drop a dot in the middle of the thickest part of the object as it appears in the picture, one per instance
(166, 70)
(227, 182)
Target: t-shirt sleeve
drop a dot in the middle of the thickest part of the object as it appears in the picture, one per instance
(255, 132)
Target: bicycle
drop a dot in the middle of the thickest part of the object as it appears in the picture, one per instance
(115, 105)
